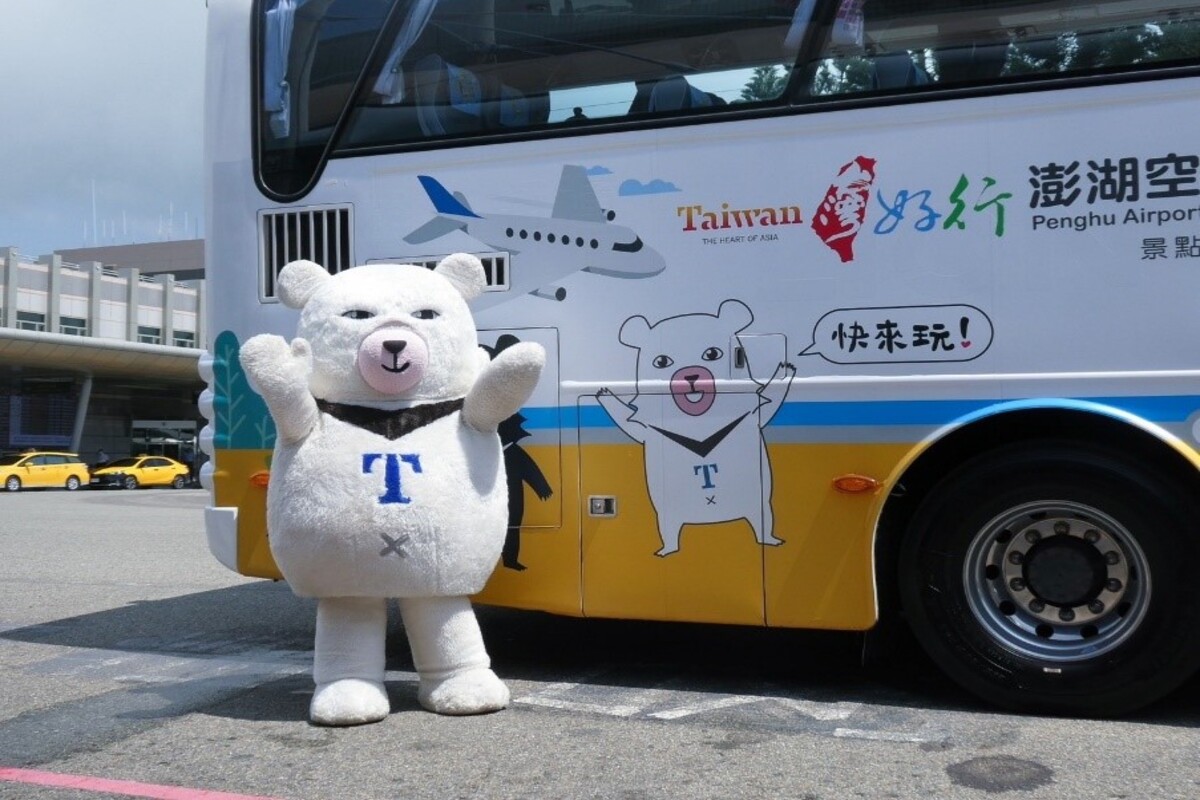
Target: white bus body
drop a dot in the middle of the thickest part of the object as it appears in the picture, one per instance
(811, 357)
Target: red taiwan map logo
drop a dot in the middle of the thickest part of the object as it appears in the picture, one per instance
(841, 213)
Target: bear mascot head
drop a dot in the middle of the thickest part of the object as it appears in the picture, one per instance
(388, 476)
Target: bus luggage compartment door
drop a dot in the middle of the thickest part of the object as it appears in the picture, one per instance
(539, 566)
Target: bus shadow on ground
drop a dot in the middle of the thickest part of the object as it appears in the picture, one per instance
(264, 622)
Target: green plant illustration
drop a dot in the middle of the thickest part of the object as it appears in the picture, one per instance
(240, 416)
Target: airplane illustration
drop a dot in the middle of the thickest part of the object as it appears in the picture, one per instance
(578, 236)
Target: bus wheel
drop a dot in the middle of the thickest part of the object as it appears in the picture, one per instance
(1054, 578)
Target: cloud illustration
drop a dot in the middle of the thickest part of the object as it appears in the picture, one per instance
(656, 186)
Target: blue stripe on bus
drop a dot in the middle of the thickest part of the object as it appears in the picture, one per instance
(1161, 409)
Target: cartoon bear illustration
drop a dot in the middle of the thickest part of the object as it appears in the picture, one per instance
(696, 435)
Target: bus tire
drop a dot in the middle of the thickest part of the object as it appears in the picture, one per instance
(1054, 578)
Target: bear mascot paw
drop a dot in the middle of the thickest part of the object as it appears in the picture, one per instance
(387, 479)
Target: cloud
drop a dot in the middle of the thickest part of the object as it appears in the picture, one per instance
(111, 93)
(598, 170)
(656, 186)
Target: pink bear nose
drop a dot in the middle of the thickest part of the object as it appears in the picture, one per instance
(694, 389)
(393, 360)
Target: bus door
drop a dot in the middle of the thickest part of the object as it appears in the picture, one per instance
(675, 516)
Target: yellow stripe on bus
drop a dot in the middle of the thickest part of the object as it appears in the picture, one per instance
(821, 577)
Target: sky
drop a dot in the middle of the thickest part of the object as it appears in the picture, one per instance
(103, 99)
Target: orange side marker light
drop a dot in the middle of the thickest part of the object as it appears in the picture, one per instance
(856, 484)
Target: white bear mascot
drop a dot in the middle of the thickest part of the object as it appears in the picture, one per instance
(388, 475)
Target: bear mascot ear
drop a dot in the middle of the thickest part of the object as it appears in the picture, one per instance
(298, 281)
(465, 272)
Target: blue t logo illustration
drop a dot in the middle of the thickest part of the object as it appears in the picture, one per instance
(709, 470)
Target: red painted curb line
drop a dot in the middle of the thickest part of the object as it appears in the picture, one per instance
(129, 788)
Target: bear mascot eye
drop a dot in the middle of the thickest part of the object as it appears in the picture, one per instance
(357, 313)
(426, 313)
(713, 354)
(662, 362)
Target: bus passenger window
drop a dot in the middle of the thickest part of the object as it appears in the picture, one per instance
(994, 42)
(539, 64)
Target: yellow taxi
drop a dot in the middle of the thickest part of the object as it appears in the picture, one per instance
(42, 470)
(130, 473)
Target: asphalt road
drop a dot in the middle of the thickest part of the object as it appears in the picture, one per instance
(127, 654)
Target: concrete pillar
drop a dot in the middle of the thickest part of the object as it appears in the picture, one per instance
(132, 276)
(11, 266)
(202, 314)
(168, 307)
(95, 273)
(81, 409)
(53, 291)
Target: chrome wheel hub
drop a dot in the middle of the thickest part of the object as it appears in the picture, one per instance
(1056, 580)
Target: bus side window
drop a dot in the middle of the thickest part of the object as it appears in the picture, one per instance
(674, 93)
(972, 62)
(449, 98)
(483, 66)
(898, 71)
(925, 47)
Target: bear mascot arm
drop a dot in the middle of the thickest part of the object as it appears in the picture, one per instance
(280, 372)
(503, 385)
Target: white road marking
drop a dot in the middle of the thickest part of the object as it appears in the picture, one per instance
(588, 695)
(574, 705)
(551, 696)
(820, 711)
(692, 709)
(881, 736)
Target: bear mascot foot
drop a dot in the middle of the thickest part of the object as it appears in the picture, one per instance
(350, 701)
(477, 691)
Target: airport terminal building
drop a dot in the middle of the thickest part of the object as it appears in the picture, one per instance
(99, 347)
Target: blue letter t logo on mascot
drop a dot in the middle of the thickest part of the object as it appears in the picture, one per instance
(391, 473)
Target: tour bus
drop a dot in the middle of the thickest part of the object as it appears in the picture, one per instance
(857, 313)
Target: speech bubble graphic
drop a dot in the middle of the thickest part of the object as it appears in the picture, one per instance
(901, 334)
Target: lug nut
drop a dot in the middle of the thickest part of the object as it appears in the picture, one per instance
(1096, 607)
(1091, 536)
(1061, 527)
(1032, 535)
(1016, 557)
(1113, 585)
(1112, 557)
(1017, 585)
(1066, 614)
(1037, 606)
